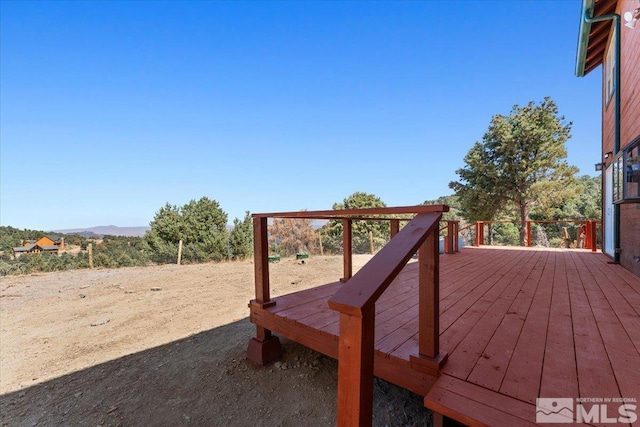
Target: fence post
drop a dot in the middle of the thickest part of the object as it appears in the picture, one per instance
(179, 251)
(90, 250)
(371, 242)
(529, 234)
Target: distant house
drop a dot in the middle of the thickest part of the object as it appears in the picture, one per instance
(610, 37)
(46, 244)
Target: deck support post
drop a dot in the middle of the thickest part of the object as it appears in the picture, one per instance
(347, 245)
(429, 360)
(529, 242)
(438, 419)
(264, 351)
(355, 368)
(265, 347)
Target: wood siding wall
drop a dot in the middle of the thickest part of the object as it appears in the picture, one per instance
(629, 130)
(630, 76)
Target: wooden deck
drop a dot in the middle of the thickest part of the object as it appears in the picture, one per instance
(517, 323)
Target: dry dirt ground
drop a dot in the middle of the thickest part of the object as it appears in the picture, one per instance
(165, 346)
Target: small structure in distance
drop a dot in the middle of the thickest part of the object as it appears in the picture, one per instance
(46, 244)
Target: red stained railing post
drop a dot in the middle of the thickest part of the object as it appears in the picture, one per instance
(347, 246)
(587, 234)
(594, 241)
(429, 358)
(428, 296)
(261, 260)
(479, 233)
(265, 347)
(395, 227)
(529, 234)
(355, 369)
(356, 304)
(450, 242)
(456, 233)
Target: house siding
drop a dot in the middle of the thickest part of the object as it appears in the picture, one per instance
(630, 237)
(629, 131)
(630, 76)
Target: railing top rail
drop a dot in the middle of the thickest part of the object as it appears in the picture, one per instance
(365, 213)
(365, 287)
(505, 221)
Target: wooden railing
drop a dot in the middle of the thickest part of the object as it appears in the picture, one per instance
(355, 301)
(590, 230)
(356, 304)
(451, 243)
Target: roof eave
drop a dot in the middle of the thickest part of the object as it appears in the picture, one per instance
(583, 38)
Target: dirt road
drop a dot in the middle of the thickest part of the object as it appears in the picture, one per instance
(165, 346)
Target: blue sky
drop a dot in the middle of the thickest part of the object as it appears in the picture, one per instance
(108, 110)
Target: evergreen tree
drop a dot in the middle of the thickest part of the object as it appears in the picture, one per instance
(332, 232)
(241, 238)
(201, 225)
(520, 164)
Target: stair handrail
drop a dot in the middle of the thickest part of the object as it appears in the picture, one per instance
(355, 302)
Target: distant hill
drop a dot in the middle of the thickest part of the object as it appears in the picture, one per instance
(111, 230)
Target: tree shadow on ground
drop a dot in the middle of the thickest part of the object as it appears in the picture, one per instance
(202, 380)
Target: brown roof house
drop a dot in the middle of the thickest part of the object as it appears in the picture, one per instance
(46, 244)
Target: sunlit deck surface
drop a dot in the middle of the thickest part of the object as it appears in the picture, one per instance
(517, 324)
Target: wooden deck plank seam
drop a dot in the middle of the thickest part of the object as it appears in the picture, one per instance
(514, 263)
(605, 270)
(609, 348)
(470, 277)
(495, 276)
(510, 309)
(544, 262)
(528, 352)
(576, 294)
(611, 293)
(545, 360)
(558, 344)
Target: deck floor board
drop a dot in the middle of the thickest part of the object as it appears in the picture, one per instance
(517, 324)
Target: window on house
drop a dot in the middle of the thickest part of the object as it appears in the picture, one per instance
(626, 174)
(610, 69)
